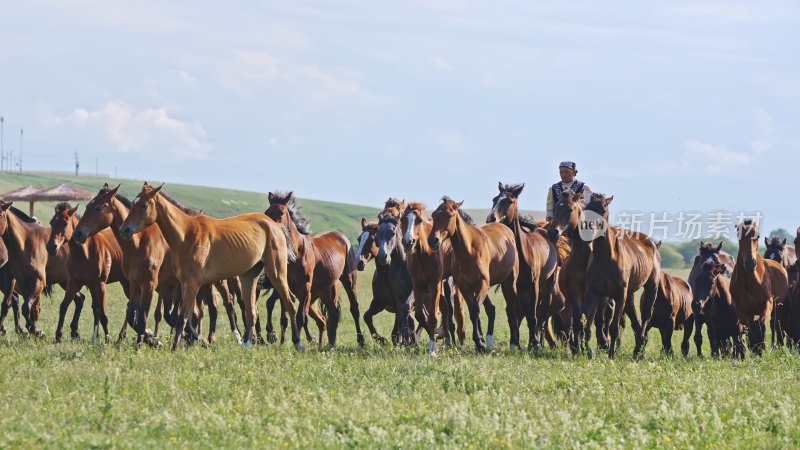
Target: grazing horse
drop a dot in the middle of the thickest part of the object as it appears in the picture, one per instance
(622, 262)
(713, 303)
(430, 270)
(143, 265)
(205, 249)
(30, 265)
(323, 262)
(538, 260)
(757, 285)
(707, 252)
(672, 310)
(482, 257)
(96, 263)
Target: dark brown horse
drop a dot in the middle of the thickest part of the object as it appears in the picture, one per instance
(569, 221)
(777, 250)
(205, 249)
(538, 259)
(482, 257)
(30, 265)
(672, 311)
(323, 261)
(707, 252)
(757, 285)
(713, 303)
(95, 264)
(143, 265)
(430, 270)
(622, 262)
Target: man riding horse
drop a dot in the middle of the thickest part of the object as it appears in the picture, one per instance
(567, 171)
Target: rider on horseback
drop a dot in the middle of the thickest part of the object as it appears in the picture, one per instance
(567, 171)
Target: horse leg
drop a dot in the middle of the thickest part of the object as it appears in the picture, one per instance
(349, 284)
(490, 309)
(584, 323)
(698, 337)
(316, 315)
(99, 291)
(186, 307)
(277, 276)
(227, 302)
(688, 325)
(158, 315)
(638, 330)
(602, 320)
(666, 339)
(614, 329)
(73, 287)
(512, 304)
(375, 307)
(271, 300)
(432, 304)
(475, 302)
(211, 302)
(458, 309)
(146, 299)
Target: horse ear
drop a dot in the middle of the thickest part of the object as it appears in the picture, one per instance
(719, 247)
(783, 244)
(72, 211)
(146, 185)
(402, 204)
(271, 197)
(458, 205)
(658, 244)
(766, 241)
(363, 223)
(115, 190)
(500, 186)
(4, 206)
(105, 185)
(518, 190)
(290, 195)
(157, 190)
(608, 200)
(577, 197)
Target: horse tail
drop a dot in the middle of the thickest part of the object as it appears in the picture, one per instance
(290, 249)
(351, 260)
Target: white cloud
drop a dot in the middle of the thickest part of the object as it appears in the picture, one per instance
(441, 63)
(149, 132)
(713, 158)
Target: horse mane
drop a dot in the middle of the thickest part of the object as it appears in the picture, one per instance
(124, 200)
(391, 203)
(563, 249)
(527, 221)
(595, 198)
(388, 217)
(464, 216)
(776, 241)
(513, 187)
(301, 222)
(22, 215)
(65, 206)
(417, 205)
(175, 203)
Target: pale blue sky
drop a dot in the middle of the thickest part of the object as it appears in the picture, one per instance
(668, 106)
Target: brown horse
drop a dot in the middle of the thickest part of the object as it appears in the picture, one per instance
(714, 305)
(482, 257)
(30, 265)
(757, 285)
(10, 298)
(622, 262)
(672, 310)
(143, 265)
(429, 269)
(205, 249)
(777, 250)
(538, 259)
(569, 221)
(323, 261)
(95, 264)
(707, 252)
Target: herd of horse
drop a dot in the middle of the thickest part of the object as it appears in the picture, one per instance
(430, 270)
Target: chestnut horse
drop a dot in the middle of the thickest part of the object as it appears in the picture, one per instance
(622, 262)
(323, 262)
(757, 285)
(205, 249)
(30, 265)
(538, 259)
(713, 303)
(143, 265)
(482, 257)
(430, 270)
(672, 310)
(94, 264)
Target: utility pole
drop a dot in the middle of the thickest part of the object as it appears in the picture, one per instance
(95, 167)
(77, 164)
(20, 149)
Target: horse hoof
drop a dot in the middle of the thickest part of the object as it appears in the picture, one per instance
(238, 337)
(382, 340)
(56, 341)
(432, 348)
(272, 337)
(490, 341)
(514, 347)
(2, 331)
(248, 344)
(299, 347)
(38, 333)
(75, 336)
(360, 340)
(590, 353)
(260, 340)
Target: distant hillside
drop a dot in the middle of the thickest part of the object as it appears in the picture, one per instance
(215, 202)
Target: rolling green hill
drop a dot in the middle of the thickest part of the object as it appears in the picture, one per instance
(215, 202)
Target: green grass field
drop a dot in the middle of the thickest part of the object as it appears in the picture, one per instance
(101, 395)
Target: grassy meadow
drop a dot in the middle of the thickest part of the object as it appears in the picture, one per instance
(102, 395)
